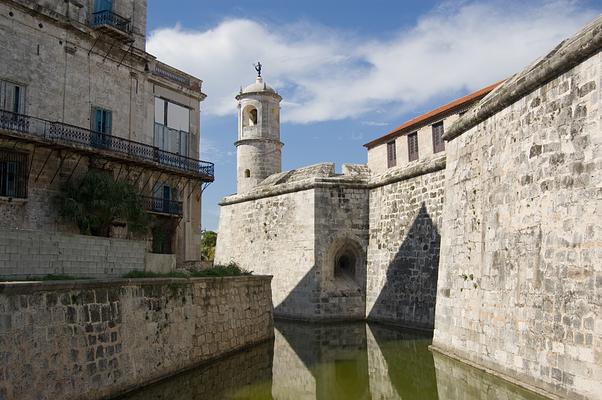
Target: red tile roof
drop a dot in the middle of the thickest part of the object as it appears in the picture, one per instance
(420, 120)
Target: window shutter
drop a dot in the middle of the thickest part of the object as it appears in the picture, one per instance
(109, 122)
(413, 146)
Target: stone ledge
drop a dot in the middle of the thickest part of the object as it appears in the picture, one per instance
(563, 58)
(41, 286)
(298, 186)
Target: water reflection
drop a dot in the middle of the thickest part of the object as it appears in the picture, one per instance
(343, 361)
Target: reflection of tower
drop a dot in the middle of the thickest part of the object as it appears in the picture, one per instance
(258, 148)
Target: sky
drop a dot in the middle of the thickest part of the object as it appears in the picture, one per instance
(348, 71)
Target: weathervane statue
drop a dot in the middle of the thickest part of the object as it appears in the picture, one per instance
(258, 68)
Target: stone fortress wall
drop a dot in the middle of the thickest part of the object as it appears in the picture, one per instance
(104, 338)
(290, 227)
(403, 251)
(522, 220)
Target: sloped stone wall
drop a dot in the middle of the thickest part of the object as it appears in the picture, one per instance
(520, 276)
(93, 340)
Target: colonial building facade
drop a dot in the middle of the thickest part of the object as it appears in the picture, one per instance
(79, 92)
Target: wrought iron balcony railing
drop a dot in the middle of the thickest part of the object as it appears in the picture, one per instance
(163, 206)
(81, 138)
(109, 18)
(172, 75)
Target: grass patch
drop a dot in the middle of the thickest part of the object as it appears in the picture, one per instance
(214, 272)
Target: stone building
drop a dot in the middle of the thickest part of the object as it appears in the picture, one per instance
(79, 92)
(363, 243)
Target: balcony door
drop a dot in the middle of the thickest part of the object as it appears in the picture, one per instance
(172, 127)
(103, 5)
(102, 126)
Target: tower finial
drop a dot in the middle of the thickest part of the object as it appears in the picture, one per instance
(258, 67)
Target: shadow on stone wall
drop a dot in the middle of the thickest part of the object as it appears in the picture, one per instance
(409, 294)
(303, 302)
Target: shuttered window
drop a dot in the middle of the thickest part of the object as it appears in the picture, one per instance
(12, 97)
(438, 143)
(391, 155)
(413, 146)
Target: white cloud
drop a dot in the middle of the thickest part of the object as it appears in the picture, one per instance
(325, 74)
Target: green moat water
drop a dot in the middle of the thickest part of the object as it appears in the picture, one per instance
(343, 361)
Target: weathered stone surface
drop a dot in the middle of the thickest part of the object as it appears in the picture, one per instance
(26, 253)
(296, 232)
(519, 287)
(72, 340)
(404, 244)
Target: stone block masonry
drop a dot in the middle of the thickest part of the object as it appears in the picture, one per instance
(403, 251)
(25, 253)
(93, 340)
(521, 220)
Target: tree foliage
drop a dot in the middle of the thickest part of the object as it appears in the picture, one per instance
(208, 245)
(98, 201)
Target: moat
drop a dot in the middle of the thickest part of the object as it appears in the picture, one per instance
(343, 361)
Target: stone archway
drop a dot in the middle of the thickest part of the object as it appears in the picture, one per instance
(344, 264)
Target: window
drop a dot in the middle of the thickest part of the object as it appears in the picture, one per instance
(101, 122)
(391, 154)
(413, 146)
(13, 174)
(103, 5)
(438, 143)
(172, 127)
(247, 173)
(12, 97)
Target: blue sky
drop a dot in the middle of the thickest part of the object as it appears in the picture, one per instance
(348, 71)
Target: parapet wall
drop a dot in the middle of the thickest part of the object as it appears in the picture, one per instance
(520, 277)
(25, 253)
(93, 340)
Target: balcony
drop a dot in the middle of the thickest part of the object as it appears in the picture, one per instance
(57, 134)
(171, 74)
(111, 24)
(157, 205)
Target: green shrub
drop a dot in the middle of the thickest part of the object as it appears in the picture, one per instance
(98, 201)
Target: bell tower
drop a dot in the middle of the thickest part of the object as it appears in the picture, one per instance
(258, 148)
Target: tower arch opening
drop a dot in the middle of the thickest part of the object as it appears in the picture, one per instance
(249, 116)
(247, 173)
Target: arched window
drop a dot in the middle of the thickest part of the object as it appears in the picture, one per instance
(247, 173)
(249, 116)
